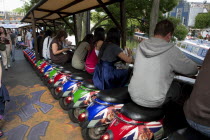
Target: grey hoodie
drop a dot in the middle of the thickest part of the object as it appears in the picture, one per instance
(154, 67)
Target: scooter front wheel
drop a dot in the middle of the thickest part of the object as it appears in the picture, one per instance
(64, 105)
(93, 133)
(74, 113)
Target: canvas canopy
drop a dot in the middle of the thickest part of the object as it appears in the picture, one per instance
(51, 10)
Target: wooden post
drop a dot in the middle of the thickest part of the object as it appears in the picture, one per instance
(75, 29)
(123, 23)
(34, 35)
(88, 23)
(54, 25)
(154, 16)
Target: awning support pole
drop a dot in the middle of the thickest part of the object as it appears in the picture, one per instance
(34, 35)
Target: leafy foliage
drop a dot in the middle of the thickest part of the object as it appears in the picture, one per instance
(180, 30)
(202, 20)
(137, 13)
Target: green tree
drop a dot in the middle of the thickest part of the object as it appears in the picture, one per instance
(18, 10)
(181, 30)
(137, 12)
(202, 20)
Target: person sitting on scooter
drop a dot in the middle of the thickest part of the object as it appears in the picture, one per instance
(197, 107)
(78, 60)
(58, 54)
(156, 63)
(106, 76)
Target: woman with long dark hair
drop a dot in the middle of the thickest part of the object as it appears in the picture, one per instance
(78, 60)
(59, 54)
(5, 38)
(93, 51)
(106, 76)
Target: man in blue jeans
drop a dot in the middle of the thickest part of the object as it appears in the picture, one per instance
(197, 107)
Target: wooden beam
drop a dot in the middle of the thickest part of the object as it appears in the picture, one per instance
(47, 25)
(34, 35)
(64, 7)
(50, 11)
(123, 23)
(109, 14)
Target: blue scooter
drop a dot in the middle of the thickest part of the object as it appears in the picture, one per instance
(99, 113)
(65, 92)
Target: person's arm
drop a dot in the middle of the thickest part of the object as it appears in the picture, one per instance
(127, 59)
(99, 44)
(55, 49)
(10, 41)
(181, 64)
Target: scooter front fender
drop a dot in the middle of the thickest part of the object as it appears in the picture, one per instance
(134, 131)
(100, 113)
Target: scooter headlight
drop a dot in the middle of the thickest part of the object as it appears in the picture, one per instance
(106, 136)
(82, 117)
(59, 89)
(68, 99)
(50, 81)
(46, 76)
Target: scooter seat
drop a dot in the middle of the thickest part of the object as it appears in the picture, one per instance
(77, 77)
(66, 71)
(139, 113)
(116, 95)
(89, 84)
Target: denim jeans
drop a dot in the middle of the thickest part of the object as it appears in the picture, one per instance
(13, 52)
(205, 130)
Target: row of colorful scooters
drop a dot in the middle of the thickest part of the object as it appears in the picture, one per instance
(106, 114)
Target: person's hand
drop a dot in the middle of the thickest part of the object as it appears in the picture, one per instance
(65, 49)
(128, 51)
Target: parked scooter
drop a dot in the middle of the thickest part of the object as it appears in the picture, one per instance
(99, 113)
(81, 99)
(134, 122)
(61, 78)
(65, 92)
(50, 77)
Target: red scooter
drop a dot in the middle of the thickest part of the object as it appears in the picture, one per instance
(134, 122)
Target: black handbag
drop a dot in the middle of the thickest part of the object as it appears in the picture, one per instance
(2, 46)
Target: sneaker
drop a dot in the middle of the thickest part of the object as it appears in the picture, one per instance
(9, 66)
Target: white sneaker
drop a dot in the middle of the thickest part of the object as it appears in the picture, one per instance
(9, 66)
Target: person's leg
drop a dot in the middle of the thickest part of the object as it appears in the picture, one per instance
(13, 53)
(4, 59)
(8, 51)
(202, 129)
(173, 93)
